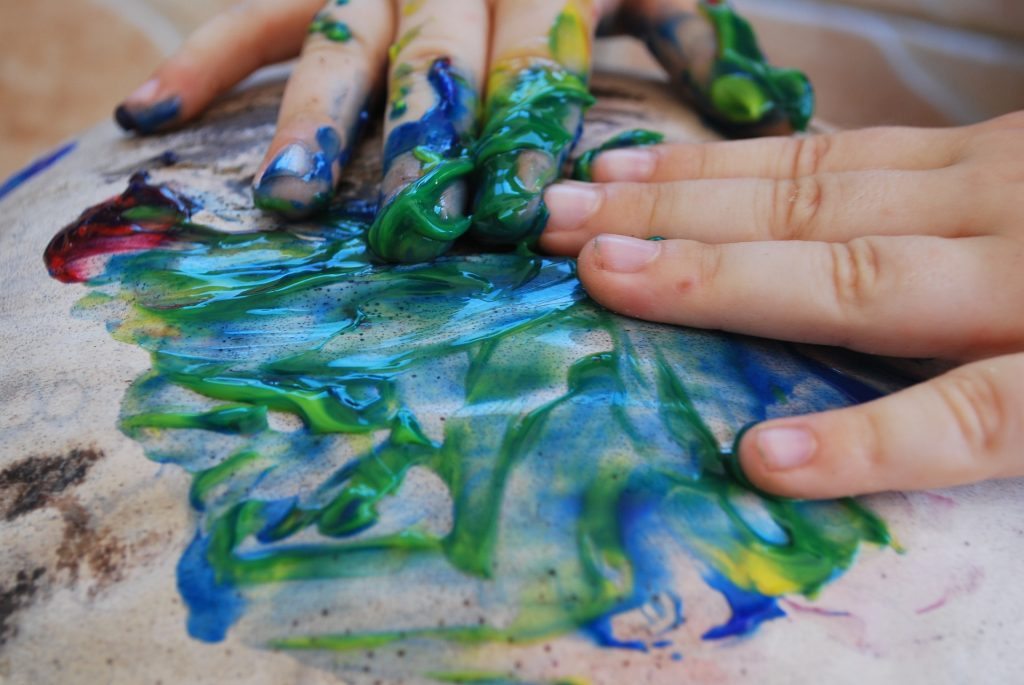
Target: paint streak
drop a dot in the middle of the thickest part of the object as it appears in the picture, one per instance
(35, 168)
(570, 450)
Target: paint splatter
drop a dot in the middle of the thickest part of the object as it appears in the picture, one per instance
(478, 453)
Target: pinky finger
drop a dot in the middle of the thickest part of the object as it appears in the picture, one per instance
(963, 427)
(218, 55)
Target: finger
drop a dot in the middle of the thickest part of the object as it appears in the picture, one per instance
(712, 56)
(828, 207)
(536, 97)
(963, 427)
(784, 158)
(905, 296)
(218, 55)
(437, 67)
(324, 106)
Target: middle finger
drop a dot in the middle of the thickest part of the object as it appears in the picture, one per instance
(536, 96)
(437, 65)
(827, 207)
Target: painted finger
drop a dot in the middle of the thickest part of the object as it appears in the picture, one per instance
(900, 296)
(437, 67)
(218, 55)
(536, 97)
(712, 55)
(324, 106)
(784, 158)
(827, 207)
(963, 427)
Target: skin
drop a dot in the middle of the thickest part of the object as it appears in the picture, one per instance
(890, 241)
(343, 49)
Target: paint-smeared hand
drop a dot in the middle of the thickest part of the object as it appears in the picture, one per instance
(901, 242)
(437, 135)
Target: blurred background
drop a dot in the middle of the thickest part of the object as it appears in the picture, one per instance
(65, 64)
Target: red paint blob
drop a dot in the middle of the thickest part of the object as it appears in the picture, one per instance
(142, 218)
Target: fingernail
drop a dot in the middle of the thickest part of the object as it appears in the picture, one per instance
(570, 205)
(626, 165)
(296, 183)
(147, 119)
(785, 449)
(144, 93)
(625, 255)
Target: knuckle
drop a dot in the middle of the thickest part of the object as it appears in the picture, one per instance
(870, 449)
(796, 208)
(976, 405)
(807, 155)
(655, 200)
(708, 262)
(856, 271)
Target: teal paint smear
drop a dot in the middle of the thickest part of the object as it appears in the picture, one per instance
(572, 451)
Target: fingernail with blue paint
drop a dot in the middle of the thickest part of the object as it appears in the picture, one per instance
(300, 180)
(148, 118)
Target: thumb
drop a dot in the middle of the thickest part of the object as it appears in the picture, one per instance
(962, 427)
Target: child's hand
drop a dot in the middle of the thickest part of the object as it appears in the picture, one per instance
(892, 241)
(438, 52)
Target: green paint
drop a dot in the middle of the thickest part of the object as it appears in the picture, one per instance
(745, 88)
(637, 137)
(411, 228)
(231, 418)
(533, 117)
(532, 121)
(402, 43)
(401, 86)
(576, 446)
(337, 31)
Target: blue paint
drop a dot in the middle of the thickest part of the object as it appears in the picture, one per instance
(749, 609)
(300, 181)
(147, 120)
(37, 167)
(637, 513)
(213, 606)
(439, 129)
(853, 389)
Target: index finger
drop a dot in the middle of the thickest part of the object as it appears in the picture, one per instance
(901, 296)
